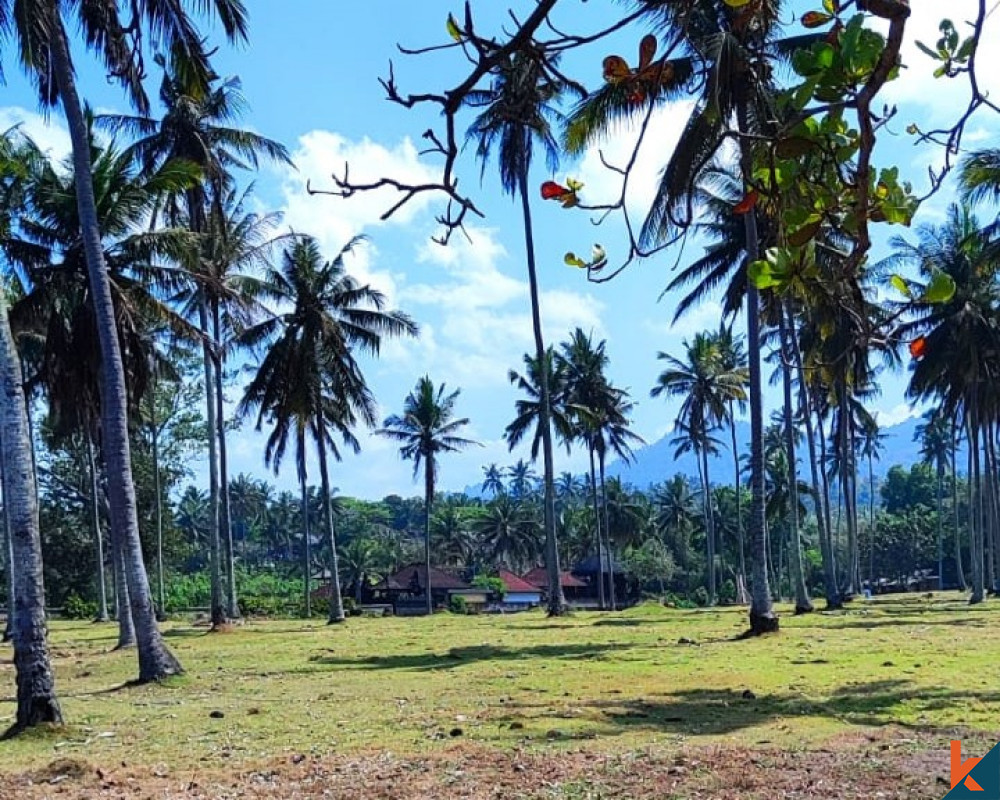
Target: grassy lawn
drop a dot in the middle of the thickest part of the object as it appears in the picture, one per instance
(665, 694)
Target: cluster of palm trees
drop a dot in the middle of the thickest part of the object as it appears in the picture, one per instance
(141, 243)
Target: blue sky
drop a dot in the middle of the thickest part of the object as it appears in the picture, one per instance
(310, 77)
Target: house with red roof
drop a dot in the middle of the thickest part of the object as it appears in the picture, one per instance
(406, 590)
(574, 589)
(520, 595)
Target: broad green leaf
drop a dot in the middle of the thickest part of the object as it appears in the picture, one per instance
(761, 274)
(831, 6)
(925, 49)
(901, 286)
(940, 289)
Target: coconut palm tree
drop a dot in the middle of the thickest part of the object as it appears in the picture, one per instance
(935, 438)
(522, 480)
(509, 532)
(309, 378)
(706, 386)
(955, 345)
(515, 117)
(40, 33)
(426, 429)
(493, 480)
(36, 695)
(726, 58)
(198, 127)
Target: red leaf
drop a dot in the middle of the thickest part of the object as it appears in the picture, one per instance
(918, 347)
(552, 190)
(747, 203)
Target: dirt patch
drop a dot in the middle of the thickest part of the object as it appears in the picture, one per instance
(889, 765)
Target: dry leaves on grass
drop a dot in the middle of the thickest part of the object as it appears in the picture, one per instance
(869, 767)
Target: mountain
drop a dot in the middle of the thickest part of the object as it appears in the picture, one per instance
(655, 463)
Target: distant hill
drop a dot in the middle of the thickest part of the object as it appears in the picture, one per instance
(655, 462)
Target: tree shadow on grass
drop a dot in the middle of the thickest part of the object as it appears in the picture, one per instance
(458, 656)
(896, 622)
(711, 712)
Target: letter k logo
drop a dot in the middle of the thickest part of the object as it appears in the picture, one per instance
(960, 769)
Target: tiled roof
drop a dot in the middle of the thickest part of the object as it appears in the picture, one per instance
(516, 584)
(403, 579)
(539, 577)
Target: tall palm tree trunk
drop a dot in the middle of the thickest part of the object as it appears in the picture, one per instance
(8, 548)
(607, 533)
(306, 545)
(832, 530)
(336, 615)
(959, 569)
(803, 603)
(846, 469)
(225, 515)
(155, 660)
(871, 517)
(706, 505)
(762, 616)
(976, 508)
(217, 601)
(994, 511)
(126, 625)
(95, 511)
(741, 589)
(428, 503)
(556, 604)
(815, 472)
(602, 600)
(940, 523)
(158, 502)
(36, 692)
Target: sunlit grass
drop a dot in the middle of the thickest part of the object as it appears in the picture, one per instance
(645, 676)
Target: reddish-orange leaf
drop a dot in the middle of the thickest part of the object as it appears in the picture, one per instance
(616, 69)
(552, 190)
(647, 49)
(747, 203)
(918, 347)
(814, 19)
(637, 95)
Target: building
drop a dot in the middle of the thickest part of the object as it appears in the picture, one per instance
(520, 595)
(575, 590)
(405, 590)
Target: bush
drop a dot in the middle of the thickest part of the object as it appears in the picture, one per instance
(458, 605)
(700, 596)
(491, 584)
(351, 607)
(77, 608)
(727, 592)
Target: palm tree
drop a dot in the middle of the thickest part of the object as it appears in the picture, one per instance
(935, 437)
(522, 480)
(427, 428)
(528, 409)
(726, 57)
(493, 480)
(310, 379)
(197, 127)
(509, 533)
(870, 448)
(733, 360)
(40, 32)
(36, 696)
(707, 388)
(958, 345)
(516, 116)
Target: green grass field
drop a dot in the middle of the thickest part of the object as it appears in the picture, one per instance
(898, 677)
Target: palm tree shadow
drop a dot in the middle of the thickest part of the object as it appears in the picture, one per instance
(711, 712)
(459, 656)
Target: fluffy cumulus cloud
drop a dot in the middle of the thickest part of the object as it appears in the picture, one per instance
(482, 312)
(334, 220)
(604, 185)
(48, 133)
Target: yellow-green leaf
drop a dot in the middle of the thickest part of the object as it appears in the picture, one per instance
(901, 286)
(453, 30)
(940, 289)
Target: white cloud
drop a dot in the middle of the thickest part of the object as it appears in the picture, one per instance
(603, 185)
(48, 133)
(896, 415)
(484, 314)
(334, 220)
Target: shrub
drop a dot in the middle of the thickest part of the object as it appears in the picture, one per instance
(700, 596)
(492, 584)
(78, 608)
(458, 605)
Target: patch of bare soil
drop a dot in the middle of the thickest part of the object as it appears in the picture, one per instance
(888, 765)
